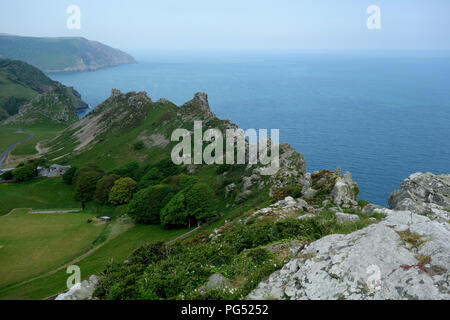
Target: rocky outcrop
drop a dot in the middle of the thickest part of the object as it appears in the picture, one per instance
(406, 256)
(344, 190)
(80, 291)
(424, 193)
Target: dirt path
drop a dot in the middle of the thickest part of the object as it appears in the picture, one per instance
(11, 147)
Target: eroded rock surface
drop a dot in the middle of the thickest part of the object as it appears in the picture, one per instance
(424, 193)
(406, 256)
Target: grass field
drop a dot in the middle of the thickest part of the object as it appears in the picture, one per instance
(117, 249)
(39, 193)
(42, 132)
(33, 243)
(8, 136)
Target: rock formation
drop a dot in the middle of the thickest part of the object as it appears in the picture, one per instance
(424, 193)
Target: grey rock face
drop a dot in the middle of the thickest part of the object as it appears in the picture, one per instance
(343, 190)
(80, 291)
(309, 194)
(372, 263)
(423, 193)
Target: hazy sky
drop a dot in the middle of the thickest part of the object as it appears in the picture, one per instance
(237, 24)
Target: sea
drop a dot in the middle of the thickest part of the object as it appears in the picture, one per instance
(382, 115)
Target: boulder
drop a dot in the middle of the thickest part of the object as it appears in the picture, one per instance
(344, 217)
(344, 190)
(215, 282)
(309, 193)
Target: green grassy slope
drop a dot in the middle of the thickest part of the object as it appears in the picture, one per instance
(62, 54)
(117, 249)
(41, 240)
(39, 193)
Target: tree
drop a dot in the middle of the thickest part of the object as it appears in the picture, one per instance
(174, 213)
(199, 202)
(147, 204)
(85, 186)
(25, 172)
(69, 176)
(122, 191)
(130, 170)
(158, 172)
(104, 186)
(187, 182)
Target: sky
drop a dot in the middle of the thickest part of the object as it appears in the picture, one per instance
(237, 24)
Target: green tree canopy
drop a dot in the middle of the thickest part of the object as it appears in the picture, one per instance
(85, 185)
(174, 213)
(25, 172)
(69, 176)
(122, 192)
(104, 186)
(200, 202)
(147, 204)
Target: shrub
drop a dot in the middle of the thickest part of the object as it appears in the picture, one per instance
(139, 145)
(85, 185)
(130, 170)
(104, 186)
(122, 191)
(151, 178)
(69, 176)
(147, 204)
(7, 175)
(282, 193)
(25, 172)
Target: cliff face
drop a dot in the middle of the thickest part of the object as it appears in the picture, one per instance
(62, 54)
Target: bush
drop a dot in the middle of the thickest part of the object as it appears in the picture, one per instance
(147, 204)
(85, 185)
(104, 186)
(139, 145)
(130, 170)
(122, 191)
(25, 172)
(69, 176)
(7, 175)
(282, 193)
(200, 202)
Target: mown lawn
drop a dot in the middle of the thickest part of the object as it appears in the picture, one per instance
(39, 193)
(33, 243)
(117, 249)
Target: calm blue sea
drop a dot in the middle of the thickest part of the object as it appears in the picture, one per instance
(381, 116)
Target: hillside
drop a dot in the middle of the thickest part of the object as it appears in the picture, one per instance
(292, 235)
(28, 96)
(62, 54)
